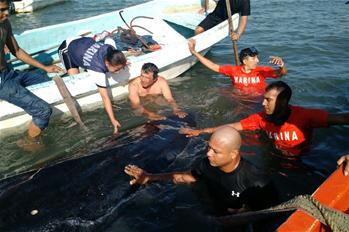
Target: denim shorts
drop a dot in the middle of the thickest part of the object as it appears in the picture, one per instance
(13, 90)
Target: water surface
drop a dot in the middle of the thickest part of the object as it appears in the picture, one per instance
(311, 36)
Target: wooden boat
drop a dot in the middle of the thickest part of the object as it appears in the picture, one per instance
(334, 193)
(172, 24)
(25, 6)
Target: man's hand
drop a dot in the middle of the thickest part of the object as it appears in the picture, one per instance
(6, 50)
(53, 69)
(189, 132)
(180, 114)
(116, 126)
(139, 175)
(277, 61)
(235, 36)
(191, 45)
(345, 161)
(156, 117)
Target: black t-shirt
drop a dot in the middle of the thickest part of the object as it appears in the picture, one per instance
(5, 39)
(237, 6)
(245, 185)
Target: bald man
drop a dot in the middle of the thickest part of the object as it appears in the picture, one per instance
(232, 182)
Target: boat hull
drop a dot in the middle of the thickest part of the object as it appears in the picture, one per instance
(27, 6)
(334, 193)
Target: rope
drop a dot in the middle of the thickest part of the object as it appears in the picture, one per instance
(335, 220)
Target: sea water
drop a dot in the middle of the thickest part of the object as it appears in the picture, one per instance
(313, 39)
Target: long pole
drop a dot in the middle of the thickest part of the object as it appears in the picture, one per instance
(68, 100)
(231, 29)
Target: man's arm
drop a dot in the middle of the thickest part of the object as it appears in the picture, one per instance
(209, 64)
(166, 91)
(136, 103)
(142, 177)
(12, 45)
(133, 95)
(241, 28)
(108, 108)
(204, 7)
(345, 161)
(192, 132)
(338, 119)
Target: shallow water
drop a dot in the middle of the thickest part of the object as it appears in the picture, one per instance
(313, 39)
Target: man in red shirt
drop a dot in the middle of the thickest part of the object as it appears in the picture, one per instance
(289, 127)
(247, 77)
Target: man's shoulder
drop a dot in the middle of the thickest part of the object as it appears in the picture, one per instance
(299, 109)
(259, 115)
(7, 21)
(199, 169)
(249, 167)
(251, 172)
(162, 79)
(134, 82)
(5, 24)
(229, 67)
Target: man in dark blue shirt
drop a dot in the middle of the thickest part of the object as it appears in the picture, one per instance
(98, 59)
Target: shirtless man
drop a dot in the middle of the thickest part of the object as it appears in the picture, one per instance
(150, 84)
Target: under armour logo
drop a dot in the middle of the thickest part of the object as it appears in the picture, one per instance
(233, 193)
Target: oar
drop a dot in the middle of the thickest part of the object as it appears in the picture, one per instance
(206, 6)
(68, 100)
(46, 49)
(231, 29)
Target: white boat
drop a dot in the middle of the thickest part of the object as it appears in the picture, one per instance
(25, 6)
(172, 24)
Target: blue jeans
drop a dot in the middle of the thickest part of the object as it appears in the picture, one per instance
(12, 89)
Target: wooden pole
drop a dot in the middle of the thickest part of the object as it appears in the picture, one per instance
(68, 100)
(231, 29)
